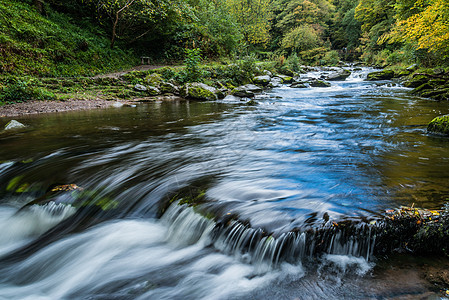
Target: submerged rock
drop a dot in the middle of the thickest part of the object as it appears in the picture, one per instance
(439, 125)
(13, 124)
(199, 91)
(380, 75)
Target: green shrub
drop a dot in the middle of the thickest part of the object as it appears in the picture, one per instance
(192, 62)
(22, 89)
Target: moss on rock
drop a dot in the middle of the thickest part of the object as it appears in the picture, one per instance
(381, 75)
(439, 125)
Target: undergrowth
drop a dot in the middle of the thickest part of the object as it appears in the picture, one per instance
(54, 44)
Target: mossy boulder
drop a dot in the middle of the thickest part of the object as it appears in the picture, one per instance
(298, 85)
(153, 91)
(422, 88)
(416, 81)
(168, 87)
(403, 73)
(199, 91)
(262, 80)
(286, 79)
(319, 83)
(439, 125)
(380, 75)
(154, 79)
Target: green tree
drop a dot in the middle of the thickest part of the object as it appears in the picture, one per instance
(134, 19)
(253, 17)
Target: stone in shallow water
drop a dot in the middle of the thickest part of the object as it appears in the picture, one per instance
(439, 125)
(13, 124)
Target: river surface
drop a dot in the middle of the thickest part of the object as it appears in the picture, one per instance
(296, 159)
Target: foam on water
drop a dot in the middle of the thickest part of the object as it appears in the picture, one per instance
(28, 223)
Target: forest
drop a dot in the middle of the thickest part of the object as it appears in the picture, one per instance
(84, 37)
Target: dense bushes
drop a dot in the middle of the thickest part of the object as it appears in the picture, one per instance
(15, 89)
(53, 44)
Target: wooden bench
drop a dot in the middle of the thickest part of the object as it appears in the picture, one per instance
(145, 58)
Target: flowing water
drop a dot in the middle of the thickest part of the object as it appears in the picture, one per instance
(271, 176)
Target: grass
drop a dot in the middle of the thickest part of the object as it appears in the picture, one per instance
(54, 44)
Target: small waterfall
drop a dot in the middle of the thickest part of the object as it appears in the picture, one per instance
(253, 245)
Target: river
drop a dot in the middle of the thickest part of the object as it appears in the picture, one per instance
(296, 159)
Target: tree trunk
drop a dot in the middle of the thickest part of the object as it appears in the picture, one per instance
(114, 29)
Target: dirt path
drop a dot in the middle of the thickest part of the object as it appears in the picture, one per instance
(137, 68)
(36, 107)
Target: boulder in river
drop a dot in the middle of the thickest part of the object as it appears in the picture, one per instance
(199, 91)
(380, 75)
(439, 125)
(319, 83)
(13, 124)
(340, 75)
(275, 82)
(247, 90)
(286, 79)
(262, 80)
(298, 85)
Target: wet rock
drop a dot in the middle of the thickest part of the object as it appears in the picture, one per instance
(275, 82)
(286, 79)
(117, 104)
(13, 124)
(439, 125)
(231, 98)
(262, 80)
(380, 75)
(140, 88)
(339, 75)
(199, 91)
(298, 85)
(251, 103)
(439, 94)
(422, 88)
(247, 90)
(319, 83)
(416, 81)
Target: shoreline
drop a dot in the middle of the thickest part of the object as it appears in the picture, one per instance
(36, 107)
